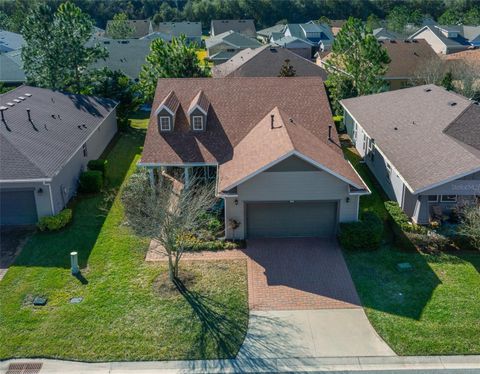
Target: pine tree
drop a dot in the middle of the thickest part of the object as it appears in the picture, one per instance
(357, 63)
(177, 59)
(54, 55)
(287, 70)
(119, 28)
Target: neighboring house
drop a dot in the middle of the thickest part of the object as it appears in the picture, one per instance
(157, 35)
(319, 35)
(407, 60)
(10, 41)
(301, 47)
(470, 56)
(191, 30)
(336, 25)
(269, 144)
(241, 26)
(139, 27)
(11, 68)
(46, 140)
(266, 61)
(383, 34)
(126, 55)
(449, 39)
(11, 65)
(222, 47)
(265, 34)
(422, 144)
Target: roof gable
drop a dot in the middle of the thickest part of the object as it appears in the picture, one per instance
(275, 138)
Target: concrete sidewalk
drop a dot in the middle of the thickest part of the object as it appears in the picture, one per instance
(311, 333)
(377, 365)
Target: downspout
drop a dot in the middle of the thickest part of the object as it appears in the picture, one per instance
(51, 196)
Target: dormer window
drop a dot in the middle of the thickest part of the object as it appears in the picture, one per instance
(165, 123)
(198, 112)
(197, 123)
(166, 112)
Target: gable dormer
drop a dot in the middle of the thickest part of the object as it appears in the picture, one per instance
(198, 112)
(166, 112)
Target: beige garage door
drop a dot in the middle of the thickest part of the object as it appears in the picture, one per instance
(289, 219)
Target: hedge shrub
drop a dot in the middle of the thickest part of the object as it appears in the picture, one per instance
(400, 225)
(91, 181)
(100, 165)
(55, 222)
(364, 234)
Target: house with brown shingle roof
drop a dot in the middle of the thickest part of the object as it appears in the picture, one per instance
(268, 142)
(408, 59)
(422, 144)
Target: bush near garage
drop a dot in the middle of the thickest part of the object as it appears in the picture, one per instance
(56, 222)
(364, 234)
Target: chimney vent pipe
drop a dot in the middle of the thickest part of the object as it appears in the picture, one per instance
(272, 117)
(29, 116)
(330, 132)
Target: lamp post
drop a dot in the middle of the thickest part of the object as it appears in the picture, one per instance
(74, 263)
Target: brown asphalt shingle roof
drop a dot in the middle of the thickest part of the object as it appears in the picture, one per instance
(264, 145)
(266, 62)
(408, 127)
(238, 105)
(171, 102)
(201, 101)
(407, 58)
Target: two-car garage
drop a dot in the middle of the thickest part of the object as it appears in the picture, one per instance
(291, 219)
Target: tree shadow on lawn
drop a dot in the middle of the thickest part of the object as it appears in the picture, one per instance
(224, 329)
(52, 249)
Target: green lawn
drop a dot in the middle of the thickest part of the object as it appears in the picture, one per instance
(124, 316)
(433, 310)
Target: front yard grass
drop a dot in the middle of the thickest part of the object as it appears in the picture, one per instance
(433, 310)
(124, 314)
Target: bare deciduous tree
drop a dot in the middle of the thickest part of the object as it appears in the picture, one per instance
(160, 212)
(465, 75)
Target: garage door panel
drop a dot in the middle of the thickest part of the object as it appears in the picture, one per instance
(17, 207)
(285, 219)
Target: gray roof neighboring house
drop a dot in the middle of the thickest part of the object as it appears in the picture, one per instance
(455, 38)
(11, 67)
(60, 123)
(289, 41)
(315, 33)
(157, 35)
(266, 61)
(411, 128)
(242, 26)
(126, 55)
(383, 34)
(192, 30)
(140, 27)
(267, 33)
(234, 39)
(10, 41)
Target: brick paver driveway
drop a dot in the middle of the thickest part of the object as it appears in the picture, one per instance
(298, 274)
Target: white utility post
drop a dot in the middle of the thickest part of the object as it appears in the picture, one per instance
(74, 262)
(151, 176)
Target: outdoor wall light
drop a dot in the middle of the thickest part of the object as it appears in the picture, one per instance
(348, 199)
(236, 201)
(40, 190)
